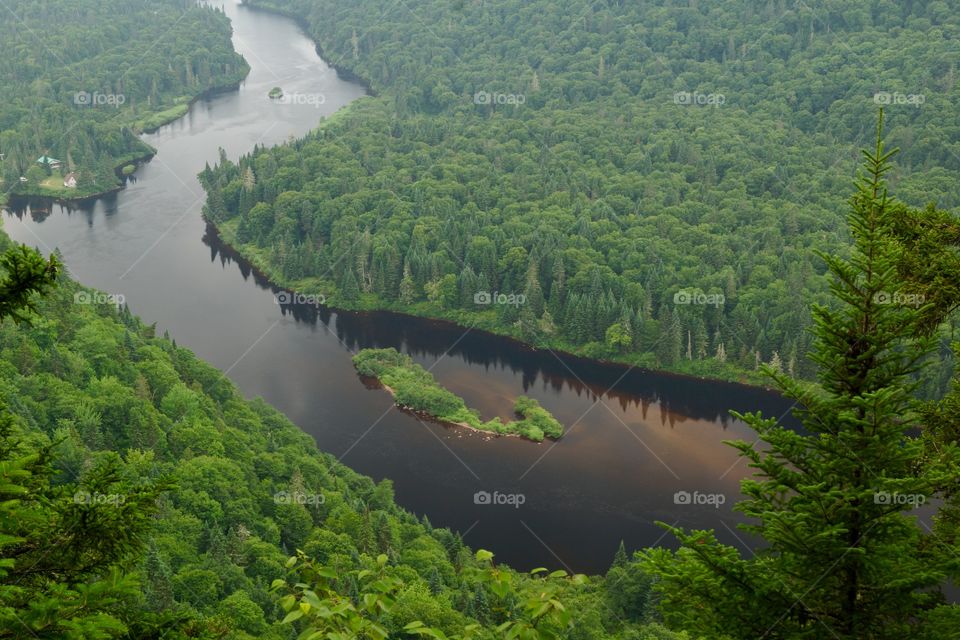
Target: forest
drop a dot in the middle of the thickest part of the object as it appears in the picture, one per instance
(141, 496)
(82, 78)
(755, 191)
(578, 156)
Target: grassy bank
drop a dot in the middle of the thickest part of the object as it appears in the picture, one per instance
(415, 388)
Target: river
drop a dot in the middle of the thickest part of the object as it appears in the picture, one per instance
(635, 438)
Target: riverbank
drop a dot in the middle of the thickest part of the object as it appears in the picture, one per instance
(68, 195)
(431, 418)
(154, 122)
(708, 369)
(145, 125)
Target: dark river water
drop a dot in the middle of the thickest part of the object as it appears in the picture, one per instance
(635, 438)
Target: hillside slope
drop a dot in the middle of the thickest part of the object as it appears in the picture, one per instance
(650, 179)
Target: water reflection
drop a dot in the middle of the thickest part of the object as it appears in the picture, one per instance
(680, 399)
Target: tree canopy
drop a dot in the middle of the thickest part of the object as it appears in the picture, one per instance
(142, 496)
(82, 78)
(651, 178)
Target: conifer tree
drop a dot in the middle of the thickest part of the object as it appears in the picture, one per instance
(840, 556)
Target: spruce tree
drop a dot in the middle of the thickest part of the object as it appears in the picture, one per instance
(839, 555)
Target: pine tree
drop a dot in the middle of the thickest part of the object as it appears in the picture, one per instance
(348, 286)
(408, 288)
(721, 354)
(670, 339)
(701, 340)
(435, 582)
(620, 558)
(841, 558)
(481, 605)
(157, 584)
(775, 364)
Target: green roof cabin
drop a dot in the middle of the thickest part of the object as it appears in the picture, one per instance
(53, 163)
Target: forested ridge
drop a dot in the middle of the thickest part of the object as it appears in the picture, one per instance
(142, 496)
(609, 161)
(82, 78)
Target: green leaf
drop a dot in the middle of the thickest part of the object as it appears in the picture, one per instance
(296, 614)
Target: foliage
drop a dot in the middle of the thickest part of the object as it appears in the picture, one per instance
(536, 418)
(608, 194)
(82, 78)
(102, 407)
(25, 275)
(63, 548)
(524, 607)
(415, 388)
(835, 505)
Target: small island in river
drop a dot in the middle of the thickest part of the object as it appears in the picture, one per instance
(415, 388)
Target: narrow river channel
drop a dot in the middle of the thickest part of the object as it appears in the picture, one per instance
(635, 438)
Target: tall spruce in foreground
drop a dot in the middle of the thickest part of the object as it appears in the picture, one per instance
(840, 555)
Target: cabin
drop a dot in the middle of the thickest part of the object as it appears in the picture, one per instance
(47, 161)
(70, 181)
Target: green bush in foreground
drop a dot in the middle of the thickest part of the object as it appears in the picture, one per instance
(415, 388)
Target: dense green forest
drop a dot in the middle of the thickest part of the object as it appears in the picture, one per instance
(415, 388)
(82, 78)
(142, 496)
(649, 178)
(665, 183)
